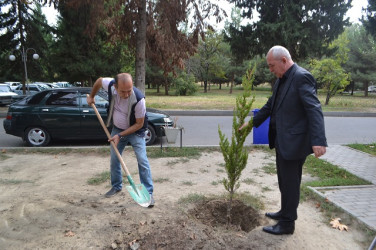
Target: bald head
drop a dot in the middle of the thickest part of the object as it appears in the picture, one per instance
(123, 77)
(124, 85)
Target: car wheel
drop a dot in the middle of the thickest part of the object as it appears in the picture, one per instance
(37, 137)
(150, 135)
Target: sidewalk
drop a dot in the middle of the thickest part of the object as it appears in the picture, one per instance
(359, 201)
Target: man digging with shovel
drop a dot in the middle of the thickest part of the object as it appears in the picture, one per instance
(127, 111)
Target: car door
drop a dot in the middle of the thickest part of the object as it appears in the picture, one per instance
(90, 125)
(60, 114)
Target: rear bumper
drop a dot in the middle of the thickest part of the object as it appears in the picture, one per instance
(5, 100)
(7, 124)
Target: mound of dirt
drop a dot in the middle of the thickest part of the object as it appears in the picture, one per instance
(203, 227)
(214, 213)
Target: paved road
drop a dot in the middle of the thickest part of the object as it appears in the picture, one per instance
(203, 131)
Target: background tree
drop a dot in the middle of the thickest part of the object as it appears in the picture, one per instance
(329, 71)
(234, 154)
(185, 84)
(362, 57)
(305, 27)
(125, 21)
(369, 17)
(235, 67)
(78, 57)
(206, 56)
(22, 26)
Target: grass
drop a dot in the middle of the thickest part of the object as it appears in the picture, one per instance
(188, 152)
(246, 198)
(3, 157)
(266, 189)
(329, 174)
(216, 99)
(161, 180)
(13, 181)
(215, 183)
(102, 151)
(99, 178)
(367, 148)
(248, 181)
(270, 168)
(187, 183)
(180, 160)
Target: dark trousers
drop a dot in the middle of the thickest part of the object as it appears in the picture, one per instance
(289, 174)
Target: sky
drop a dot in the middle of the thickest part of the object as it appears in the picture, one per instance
(354, 13)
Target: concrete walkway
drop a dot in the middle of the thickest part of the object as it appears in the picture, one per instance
(359, 201)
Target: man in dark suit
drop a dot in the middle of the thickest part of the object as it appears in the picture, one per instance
(296, 130)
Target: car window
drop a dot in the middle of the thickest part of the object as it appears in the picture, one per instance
(35, 99)
(4, 88)
(63, 99)
(100, 102)
(32, 88)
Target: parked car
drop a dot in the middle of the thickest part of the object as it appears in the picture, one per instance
(64, 85)
(6, 94)
(31, 89)
(372, 88)
(13, 85)
(64, 114)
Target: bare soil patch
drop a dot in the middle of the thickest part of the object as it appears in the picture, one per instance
(46, 203)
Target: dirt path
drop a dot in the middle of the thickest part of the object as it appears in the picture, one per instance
(46, 203)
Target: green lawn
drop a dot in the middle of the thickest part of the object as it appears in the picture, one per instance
(367, 148)
(216, 99)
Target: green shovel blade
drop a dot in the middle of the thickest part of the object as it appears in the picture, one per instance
(139, 193)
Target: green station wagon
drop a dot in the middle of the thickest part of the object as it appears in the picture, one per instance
(63, 114)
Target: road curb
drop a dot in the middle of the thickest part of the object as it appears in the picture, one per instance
(230, 113)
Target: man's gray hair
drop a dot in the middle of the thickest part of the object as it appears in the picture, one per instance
(279, 51)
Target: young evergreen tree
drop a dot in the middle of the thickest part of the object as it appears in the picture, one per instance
(234, 153)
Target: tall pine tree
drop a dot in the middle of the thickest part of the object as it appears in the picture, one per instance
(369, 19)
(304, 27)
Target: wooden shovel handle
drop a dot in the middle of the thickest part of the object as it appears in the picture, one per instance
(109, 137)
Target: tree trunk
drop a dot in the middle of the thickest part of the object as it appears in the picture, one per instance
(232, 83)
(166, 86)
(327, 98)
(140, 47)
(205, 86)
(229, 208)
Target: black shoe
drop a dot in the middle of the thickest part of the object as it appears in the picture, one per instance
(280, 228)
(274, 216)
(112, 192)
(152, 202)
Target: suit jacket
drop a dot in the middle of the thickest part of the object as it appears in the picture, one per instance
(298, 114)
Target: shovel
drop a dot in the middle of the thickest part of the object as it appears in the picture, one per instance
(138, 192)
